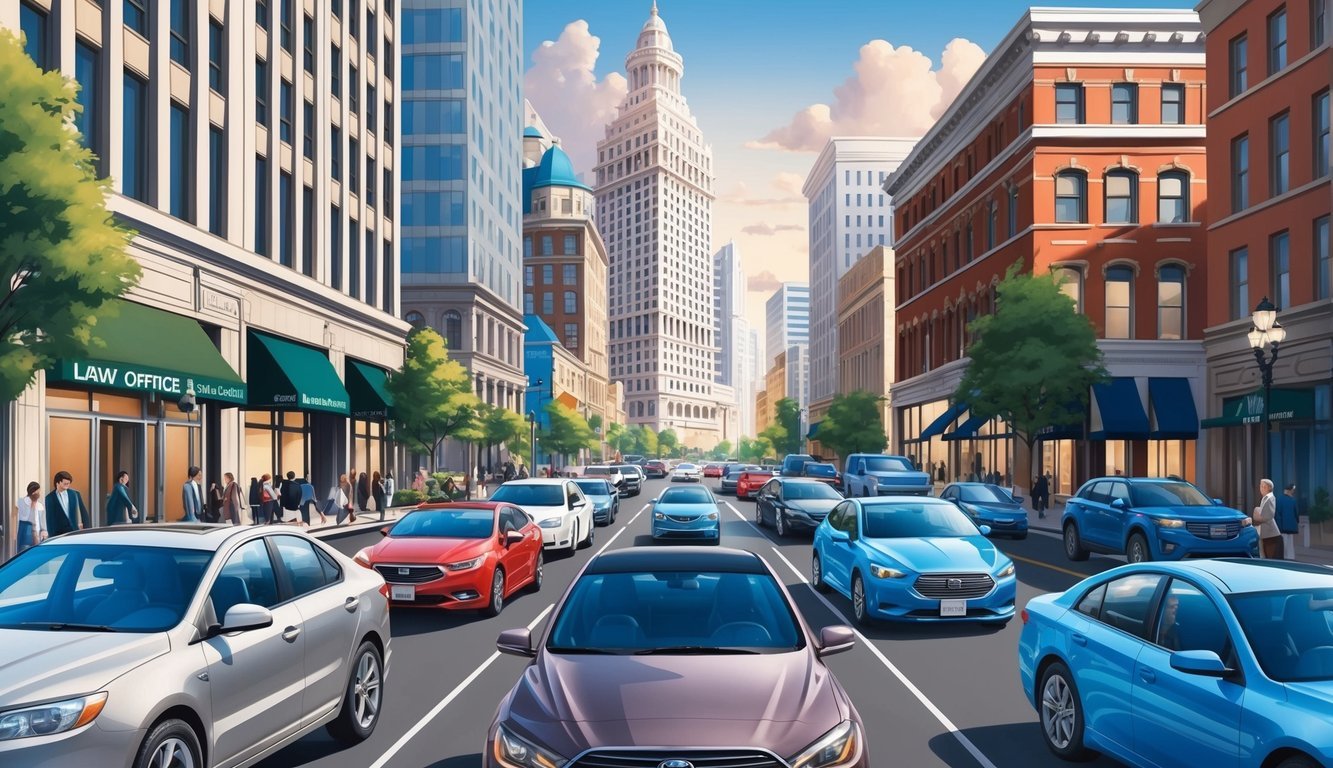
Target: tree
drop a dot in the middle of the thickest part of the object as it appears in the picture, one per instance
(501, 426)
(1033, 361)
(432, 396)
(788, 415)
(775, 437)
(63, 257)
(853, 424)
(568, 432)
(668, 442)
(753, 449)
(721, 451)
(646, 441)
(621, 440)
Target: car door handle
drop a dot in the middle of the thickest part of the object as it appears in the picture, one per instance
(351, 604)
(1147, 675)
(291, 633)
(1078, 639)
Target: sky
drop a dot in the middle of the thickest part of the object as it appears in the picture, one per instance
(768, 81)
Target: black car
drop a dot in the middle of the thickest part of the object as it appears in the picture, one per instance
(731, 474)
(794, 503)
(823, 472)
(793, 463)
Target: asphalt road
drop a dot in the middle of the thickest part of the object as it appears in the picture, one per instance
(929, 696)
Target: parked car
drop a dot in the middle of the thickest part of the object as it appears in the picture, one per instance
(686, 473)
(733, 476)
(686, 513)
(750, 481)
(557, 504)
(990, 505)
(612, 475)
(632, 458)
(458, 556)
(823, 472)
(1153, 519)
(604, 498)
(711, 684)
(216, 645)
(634, 477)
(793, 462)
(794, 503)
(713, 469)
(1196, 663)
(875, 474)
(655, 468)
(912, 559)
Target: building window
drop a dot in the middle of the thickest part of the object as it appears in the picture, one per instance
(354, 19)
(372, 269)
(1071, 197)
(217, 181)
(1122, 203)
(571, 302)
(453, 330)
(136, 16)
(285, 24)
(1070, 280)
(308, 130)
(1318, 20)
(354, 166)
(1323, 266)
(570, 274)
(1173, 104)
(1321, 135)
(87, 71)
(548, 303)
(180, 32)
(1012, 213)
(353, 89)
(992, 222)
(286, 232)
(1279, 154)
(388, 59)
(527, 303)
(370, 181)
(527, 273)
(571, 335)
(261, 13)
(286, 110)
(548, 274)
(1124, 103)
(571, 244)
(1277, 41)
(336, 153)
(308, 44)
(1240, 283)
(182, 163)
(372, 103)
(35, 25)
(415, 319)
(1239, 65)
(261, 206)
(1119, 302)
(217, 49)
(307, 231)
(335, 248)
(1240, 173)
(353, 259)
(527, 251)
(261, 92)
(1173, 201)
(1279, 257)
(387, 193)
(134, 160)
(1171, 302)
(336, 72)
(1068, 103)
(548, 246)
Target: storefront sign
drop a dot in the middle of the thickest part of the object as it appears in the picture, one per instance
(139, 379)
(323, 402)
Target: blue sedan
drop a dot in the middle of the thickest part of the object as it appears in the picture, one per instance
(912, 558)
(1207, 662)
(687, 513)
(990, 505)
(604, 497)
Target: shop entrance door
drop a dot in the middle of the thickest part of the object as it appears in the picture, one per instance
(120, 445)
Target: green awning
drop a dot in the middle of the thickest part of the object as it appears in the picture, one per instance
(1287, 405)
(365, 385)
(288, 376)
(150, 350)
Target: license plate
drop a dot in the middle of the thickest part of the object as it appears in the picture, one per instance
(953, 607)
(1218, 531)
(400, 592)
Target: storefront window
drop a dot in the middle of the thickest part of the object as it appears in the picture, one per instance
(275, 443)
(1171, 457)
(1117, 457)
(1058, 464)
(71, 450)
(368, 446)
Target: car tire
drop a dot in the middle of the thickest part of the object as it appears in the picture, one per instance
(587, 542)
(1297, 761)
(860, 611)
(497, 601)
(538, 573)
(574, 539)
(363, 698)
(1020, 536)
(1062, 730)
(1074, 549)
(758, 516)
(817, 574)
(1136, 550)
(170, 743)
(780, 525)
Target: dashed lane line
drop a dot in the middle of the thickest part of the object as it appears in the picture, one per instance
(622, 529)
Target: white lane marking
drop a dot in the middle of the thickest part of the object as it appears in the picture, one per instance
(742, 517)
(908, 684)
(447, 700)
(622, 530)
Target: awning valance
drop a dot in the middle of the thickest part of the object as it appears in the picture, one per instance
(285, 375)
(1287, 405)
(366, 388)
(1117, 413)
(1174, 416)
(814, 430)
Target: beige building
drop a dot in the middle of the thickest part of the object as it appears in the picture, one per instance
(865, 328)
(763, 414)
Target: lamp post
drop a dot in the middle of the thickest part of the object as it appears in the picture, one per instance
(532, 440)
(800, 429)
(1266, 336)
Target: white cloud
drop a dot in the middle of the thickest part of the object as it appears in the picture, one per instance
(562, 85)
(780, 188)
(894, 92)
(765, 230)
(764, 282)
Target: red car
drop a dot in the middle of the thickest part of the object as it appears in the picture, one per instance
(458, 556)
(654, 468)
(751, 481)
(712, 470)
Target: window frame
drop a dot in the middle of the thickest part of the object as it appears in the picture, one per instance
(1130, 102)
(1319, 133)
(1177, 103)
(1240, 173)
(1277, 49)
(1184, 198)
(1323, 262)
(1076, 89)
(1238, 269)
(1279, 153)
(1179, 309)
(1133, 197)
(1058, 270)
(1279, 268)
(1113, 272)
(180, 36)
(1238, 65)
(1081, 177)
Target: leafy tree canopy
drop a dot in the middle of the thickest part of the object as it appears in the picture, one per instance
(568, 432)
(501, 426)
(668, 443)
(721, 451)
(433, 398)
(788, 416)
(646, 441)
(853, 424)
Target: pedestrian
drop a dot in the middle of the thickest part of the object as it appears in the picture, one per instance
(450, 489)
(213, 512)
(256, 497)
(233, 501)
(352, 477)
(65, 509)
(1041, 495)
(509, 472)
(419, 482)
(1288, 520)
(119, 509)
(482, 492)
(389, 487)
(192, 496)
(377, 492)
(268, 499)
(32, 518)
(346, 506)
(308, 501)
(522, 472)
(1270, 538)
(289, 496)
(363, 493)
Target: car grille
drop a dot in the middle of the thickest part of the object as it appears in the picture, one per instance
(954, 586)
(654, 758)
(684, 518)
(1205, 530)
(410, 574)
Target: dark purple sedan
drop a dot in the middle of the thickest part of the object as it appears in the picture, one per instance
(683, 657)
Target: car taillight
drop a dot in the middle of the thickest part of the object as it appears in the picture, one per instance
(1023, 614)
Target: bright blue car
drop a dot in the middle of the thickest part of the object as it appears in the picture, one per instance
(687, 513)
(605, 499)
(990, 505)
(1199, 663)
(1149, 518)
(912, 559)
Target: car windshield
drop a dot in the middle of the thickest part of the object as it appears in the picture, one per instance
(446, 524)
(1291, 632)
(601, 471)
(594, 487)
(794, 491)
(1167, 494)
(820, 470)
(628, 470)
(530, 495)
(675, 612)
(686, 466)
(686, 496)
(984, 494)
(887, 464)
(99, 587)
(905, 520)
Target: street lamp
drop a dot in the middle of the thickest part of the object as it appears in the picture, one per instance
(532, 441)
(1266, 336)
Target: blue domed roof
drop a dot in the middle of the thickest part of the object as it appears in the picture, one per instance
(556, 170)
(531, 132)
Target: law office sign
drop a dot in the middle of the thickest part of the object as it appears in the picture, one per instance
(134, 378)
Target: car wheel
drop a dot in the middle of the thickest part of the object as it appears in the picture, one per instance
(170, 744)
(538, 573)
(780, 524)
(1136, 551)
(817, 574)
(361, 701)
(860, 612)
(497, 602)
(1061, 713)
(1074, 549)
(758, 516)
(1298, 761)
(1020, 536)
(574, 539)
(587, 542)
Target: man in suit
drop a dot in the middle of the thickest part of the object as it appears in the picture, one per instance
(1288, 519)
(119, 508)
(192, 494)
(64, 507)
(1270, 538)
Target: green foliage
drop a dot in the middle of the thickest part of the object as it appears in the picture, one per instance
(433, 398)
(787, 414)
(853, 424)
(668, 443)
(720, 451)
(62, 257)
(568, 432)
(753, 450)
(776, 438)
(407, 497)
(1033, 360)
(1322, 509)
(622, 440)
(645, 441)
(501, 426)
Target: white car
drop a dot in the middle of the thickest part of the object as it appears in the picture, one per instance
(557, 504)
(612, 475)
(686, 473)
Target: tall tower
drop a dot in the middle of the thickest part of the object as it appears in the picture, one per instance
(654, 208)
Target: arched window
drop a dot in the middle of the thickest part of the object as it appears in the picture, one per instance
(1122, 200)
(415, 319)
(1070, 280)
(1173, 197)
(1171, 302)
(652, 408)
(1071, 200)
(1119, 303)
(453, 330)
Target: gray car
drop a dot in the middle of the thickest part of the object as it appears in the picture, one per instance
(155, 646)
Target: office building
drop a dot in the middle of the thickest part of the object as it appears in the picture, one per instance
(732, 331)
(786, 320)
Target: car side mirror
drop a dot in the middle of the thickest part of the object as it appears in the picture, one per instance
(512, 538)
(1018, 499)
(838, 534)
(1206, 663)
(985, 530)
(244, 617)
(516, 642)
(860, 470)
(835, 639)
(386, 530)
(1119, 503)
(1219, 502)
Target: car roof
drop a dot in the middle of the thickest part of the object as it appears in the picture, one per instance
(798, 481)
(462, 505)
(201, 536)
(539, 481)
(886, 500)
(1239, 574)
(636, 559)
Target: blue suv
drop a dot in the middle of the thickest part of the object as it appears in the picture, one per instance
(1153, 519)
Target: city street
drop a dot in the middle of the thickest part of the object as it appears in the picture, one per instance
(946, 696)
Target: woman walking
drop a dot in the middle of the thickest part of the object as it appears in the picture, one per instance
(268, 496)
(345, 504)
(32, 518)
(377, 491)
(233, 501)
(362, 492)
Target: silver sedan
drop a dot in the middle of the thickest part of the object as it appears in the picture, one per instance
(151, 647)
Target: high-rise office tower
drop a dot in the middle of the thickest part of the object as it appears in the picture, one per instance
(786, 320)
(732, 331)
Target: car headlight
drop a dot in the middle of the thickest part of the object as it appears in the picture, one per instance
(510, 751)
(46, 719)
(712, 515)
(464, 565)
(881, 572)
(551, 522)
(839, 747)
(659, 516)
(362, 557)
(1167, 522)
(1007, 571)
(1246, 522)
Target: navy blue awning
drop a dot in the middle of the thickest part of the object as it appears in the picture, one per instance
(1119, 413)
(1173, 414)
(1070, 431)
(967, 429)
(814, 430)
(945, 420)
